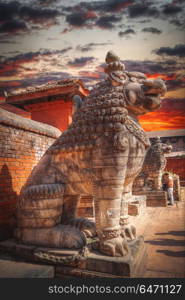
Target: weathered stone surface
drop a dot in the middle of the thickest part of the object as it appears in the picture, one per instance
(100, 155)
(176, 188)
(16, 121)
(22, 144)
(149, 180)
(100, 266)
(12, 269)
(137, 205)
(150, 177)
(120, 266)
(155, 198)
(93, 264)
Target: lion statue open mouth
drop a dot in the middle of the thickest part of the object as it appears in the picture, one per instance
(100, 154)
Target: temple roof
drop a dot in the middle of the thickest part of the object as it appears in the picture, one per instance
(63, 87)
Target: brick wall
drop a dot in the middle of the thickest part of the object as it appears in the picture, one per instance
(55, 113)
(176, 165)
(22, 143)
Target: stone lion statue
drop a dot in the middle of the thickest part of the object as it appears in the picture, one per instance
(150, 177)
(100, 154)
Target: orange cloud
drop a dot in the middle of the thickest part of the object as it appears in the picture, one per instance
(89, 74)
(162, 76)
(9, 83)
(161, 120)
(91, 14)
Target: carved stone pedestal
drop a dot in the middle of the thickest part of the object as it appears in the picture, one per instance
(93, 265)
(132, 265)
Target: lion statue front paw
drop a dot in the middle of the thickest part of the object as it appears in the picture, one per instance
(129, 232)
(114, 247)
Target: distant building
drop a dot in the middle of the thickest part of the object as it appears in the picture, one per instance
(50, 103)
(175, 159)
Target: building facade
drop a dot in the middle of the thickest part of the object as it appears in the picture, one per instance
(51, 103)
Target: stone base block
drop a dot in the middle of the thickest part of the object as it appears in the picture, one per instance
(154, 198)
(137, 205)
(93, 265)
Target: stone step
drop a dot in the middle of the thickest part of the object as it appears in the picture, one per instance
(154, 198)
(14, 269)
(94, 264)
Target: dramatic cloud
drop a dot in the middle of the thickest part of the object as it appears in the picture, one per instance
(10, 86)
(160, 120)
(102, 6)
(171, 9)
(146, 66)
(89, 75)
(22, 64)
(80, 62)
(47, 2)
(170, 116)
(98, 13)
(17, 18)
(126, 32)
(79, 19)
(108, 22)
(173, 104)
(178, 50)
(178, 23)
(37, 15)
(142, 10)
(13, 27)
(112, 5)
(8, 11)
(91, 46)
(173, 84)
(152, 30)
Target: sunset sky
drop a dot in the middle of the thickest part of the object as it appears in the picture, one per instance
(46, 40)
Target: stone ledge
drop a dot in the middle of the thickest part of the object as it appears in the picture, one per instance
(154, 198)
(13, 269)
(13, 120)
(94, 264)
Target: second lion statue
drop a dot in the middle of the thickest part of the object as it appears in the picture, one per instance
(100, 154)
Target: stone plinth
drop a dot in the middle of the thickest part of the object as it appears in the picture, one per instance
(155, 198)
(92, 265)
(137, 205)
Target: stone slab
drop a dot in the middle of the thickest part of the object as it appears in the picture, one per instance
(94, 264)
(13, 269)
(154, 198)
(120, 266)
(137, 205)
(100, 266)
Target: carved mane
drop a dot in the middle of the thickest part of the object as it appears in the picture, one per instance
(103, 111)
